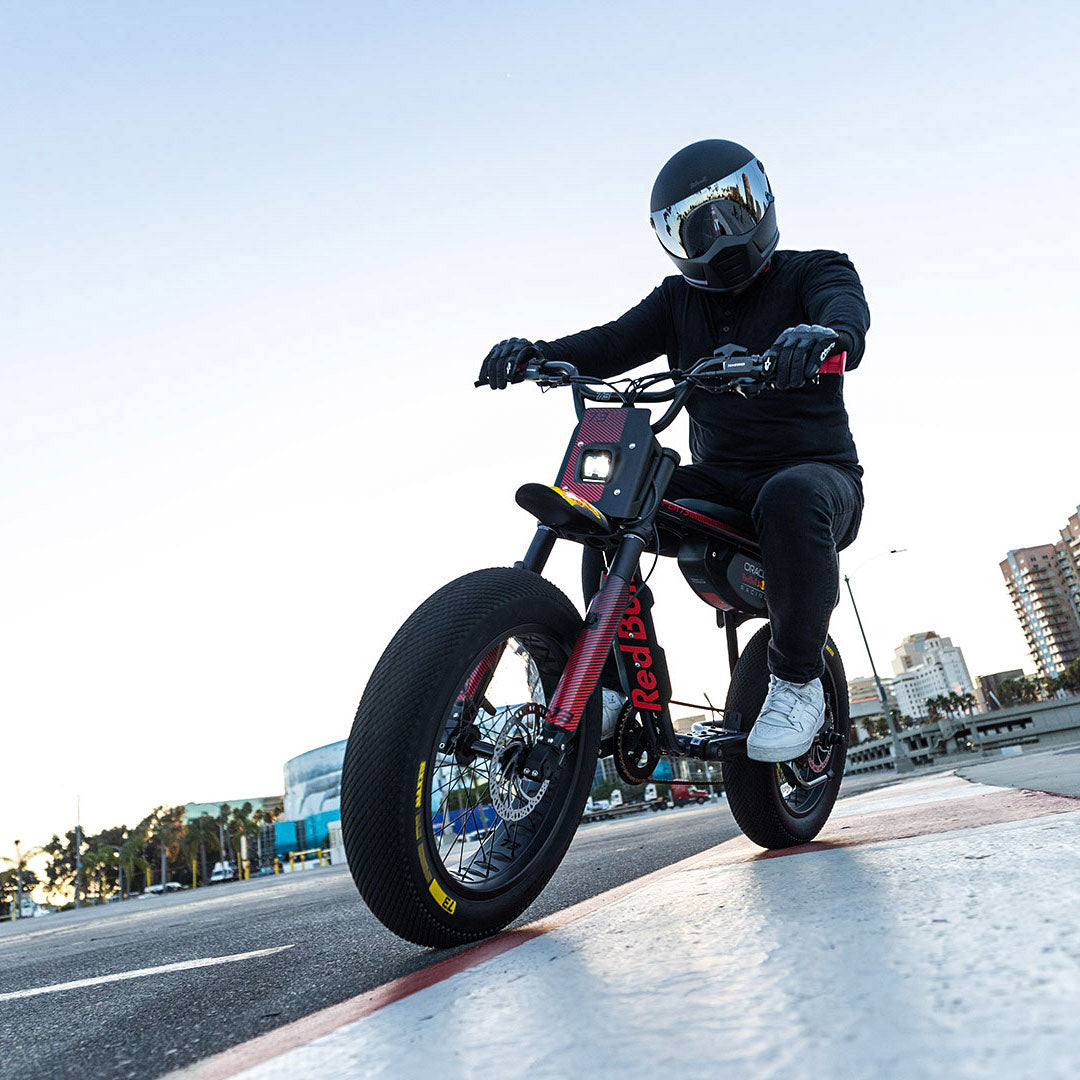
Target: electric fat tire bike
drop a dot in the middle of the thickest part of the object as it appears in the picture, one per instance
(475, 743)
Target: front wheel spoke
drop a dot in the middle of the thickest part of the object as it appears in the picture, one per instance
(507, 721)
(460, 834)
(486, 861)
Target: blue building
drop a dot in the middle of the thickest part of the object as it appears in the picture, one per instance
(312, 799)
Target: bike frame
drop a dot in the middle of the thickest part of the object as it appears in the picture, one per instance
(619, 620)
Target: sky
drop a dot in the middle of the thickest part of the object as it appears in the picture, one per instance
(256, 253)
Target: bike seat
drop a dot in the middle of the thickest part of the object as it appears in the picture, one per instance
(726, 514)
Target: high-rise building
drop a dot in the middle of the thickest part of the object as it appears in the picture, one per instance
(927, 665)
(1068, 551)
(864, 702)
(1044, 586)
(916, 649)
(864, 698)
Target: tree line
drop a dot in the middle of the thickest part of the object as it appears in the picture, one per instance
(121, 861)
(1023, 691)
(1031, 688)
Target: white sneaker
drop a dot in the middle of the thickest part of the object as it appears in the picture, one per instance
(792, 715)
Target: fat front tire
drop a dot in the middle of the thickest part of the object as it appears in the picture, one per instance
(398, 809)
(768, 808)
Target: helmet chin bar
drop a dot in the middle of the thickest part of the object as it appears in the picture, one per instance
(733, 262)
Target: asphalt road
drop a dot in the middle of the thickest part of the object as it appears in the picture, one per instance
(144, 1027)
(332, 947)
(1056, 770)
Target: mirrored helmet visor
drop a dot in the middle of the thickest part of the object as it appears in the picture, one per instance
(732, 206)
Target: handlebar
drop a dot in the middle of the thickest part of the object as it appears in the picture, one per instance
(729, 369)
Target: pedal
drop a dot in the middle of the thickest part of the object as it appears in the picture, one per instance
(706, 728)
(717, 746)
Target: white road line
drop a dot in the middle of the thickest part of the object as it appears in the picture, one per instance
(271, 892)
(183, 965)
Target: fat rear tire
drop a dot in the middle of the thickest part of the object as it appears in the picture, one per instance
(752, 787)
(390, 849)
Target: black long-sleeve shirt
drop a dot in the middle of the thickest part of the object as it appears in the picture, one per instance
(777, 426)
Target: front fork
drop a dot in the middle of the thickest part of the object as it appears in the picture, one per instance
(582, 671)
(606, 611)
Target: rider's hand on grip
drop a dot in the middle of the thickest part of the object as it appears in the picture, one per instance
(506, 363)
(799, 352)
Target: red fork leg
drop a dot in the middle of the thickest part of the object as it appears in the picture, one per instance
(477, 683)
(582, 671)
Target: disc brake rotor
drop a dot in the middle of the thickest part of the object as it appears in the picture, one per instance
(818, 756)
(511, 795)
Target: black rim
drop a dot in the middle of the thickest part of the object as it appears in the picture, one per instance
(485, 824)
(801, 785)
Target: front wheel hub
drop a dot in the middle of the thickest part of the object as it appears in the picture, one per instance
(512, 795)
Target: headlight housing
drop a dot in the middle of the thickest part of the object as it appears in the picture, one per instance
(596, 465)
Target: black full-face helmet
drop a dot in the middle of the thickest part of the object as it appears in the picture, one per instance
(712, 209)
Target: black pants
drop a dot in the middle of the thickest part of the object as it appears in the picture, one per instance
(804, 514)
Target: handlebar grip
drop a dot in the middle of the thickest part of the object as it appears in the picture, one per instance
(834, 365)
(537, 370)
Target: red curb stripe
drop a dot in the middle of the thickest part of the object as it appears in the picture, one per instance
(308, 1028)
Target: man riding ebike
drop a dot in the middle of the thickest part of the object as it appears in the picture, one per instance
(786, 455)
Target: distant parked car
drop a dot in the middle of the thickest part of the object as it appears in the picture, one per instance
(223, 871)
(159, 889)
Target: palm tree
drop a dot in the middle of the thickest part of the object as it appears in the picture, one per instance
(260, 819)
(165, 825)
(20, 865)
(1070, 678)
(223, 831)
(1028, 690)
(241, 825)
(265, 817)
(131, 859)
(204, 832)
(1009, 692)
(189, 848)
(101, 859)
(91, 863)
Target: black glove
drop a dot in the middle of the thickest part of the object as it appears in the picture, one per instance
(799, 352)
(506, 363)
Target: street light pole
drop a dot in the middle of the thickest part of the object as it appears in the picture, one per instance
(78, 852)
(18, 882)
(119, 870)
(877, 679)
